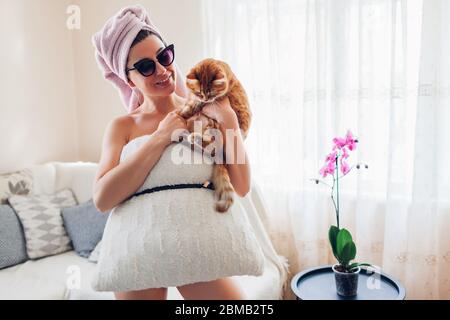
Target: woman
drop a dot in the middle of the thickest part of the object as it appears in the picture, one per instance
(153, 93)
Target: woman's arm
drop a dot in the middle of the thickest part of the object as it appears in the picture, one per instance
(236, 159)
(116, 181)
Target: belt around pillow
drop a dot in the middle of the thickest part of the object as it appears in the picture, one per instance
(206, 185)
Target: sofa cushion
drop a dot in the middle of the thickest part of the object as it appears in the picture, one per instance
(84, 225)
(12, 241)
(42, 222)
(53, 277)
(19, 182)
(50, 177)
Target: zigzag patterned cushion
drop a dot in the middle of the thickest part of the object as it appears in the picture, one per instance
(42, 222)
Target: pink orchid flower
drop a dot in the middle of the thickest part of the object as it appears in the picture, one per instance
(345, 144)
(339, 142)
(345, 154)
(323, 171)
(331, 156)
(345, 168)
(350, 141)
(328, 169)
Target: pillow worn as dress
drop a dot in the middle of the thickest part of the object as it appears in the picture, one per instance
(174, 237)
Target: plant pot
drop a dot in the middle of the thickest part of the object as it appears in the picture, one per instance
(346, 282)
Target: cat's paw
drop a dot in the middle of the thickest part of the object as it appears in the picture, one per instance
(195, 138)
(208, 138)
(182, 114)
(224, 202)
(186, 112)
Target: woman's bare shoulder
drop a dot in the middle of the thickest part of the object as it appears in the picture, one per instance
(121, 127)
(136, 124)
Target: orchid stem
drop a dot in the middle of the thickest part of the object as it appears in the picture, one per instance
(334, 202)
(337, 191)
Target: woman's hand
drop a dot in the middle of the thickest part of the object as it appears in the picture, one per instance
(169, 126)
(222, 112)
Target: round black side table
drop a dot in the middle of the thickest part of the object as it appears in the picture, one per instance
(318, 284)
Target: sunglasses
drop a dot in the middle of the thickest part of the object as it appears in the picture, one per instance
(147, 67)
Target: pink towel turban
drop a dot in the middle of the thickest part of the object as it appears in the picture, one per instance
(112, 44)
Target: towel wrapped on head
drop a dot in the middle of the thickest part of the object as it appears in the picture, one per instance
(112, 44)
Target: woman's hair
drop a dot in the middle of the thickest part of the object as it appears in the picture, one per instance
(144, 33)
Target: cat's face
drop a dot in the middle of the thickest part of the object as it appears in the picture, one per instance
(208, 80)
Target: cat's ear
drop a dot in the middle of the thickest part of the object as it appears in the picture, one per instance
(192, 82)
(219, 82)
(191, 79)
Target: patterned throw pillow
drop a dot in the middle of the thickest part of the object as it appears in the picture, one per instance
(12, 241)
(84, 225)
(19, 182)
(42, 222)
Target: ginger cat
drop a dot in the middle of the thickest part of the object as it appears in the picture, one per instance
(212, 80)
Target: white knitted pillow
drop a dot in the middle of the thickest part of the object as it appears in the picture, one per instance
(172, 238)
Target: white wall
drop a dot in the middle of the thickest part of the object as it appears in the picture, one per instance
(54, 102)
(38, 118)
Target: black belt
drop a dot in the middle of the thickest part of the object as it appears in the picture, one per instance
(209, 186)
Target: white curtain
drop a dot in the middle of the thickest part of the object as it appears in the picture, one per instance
(381, 68)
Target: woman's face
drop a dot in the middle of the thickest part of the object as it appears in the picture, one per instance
(153, 85)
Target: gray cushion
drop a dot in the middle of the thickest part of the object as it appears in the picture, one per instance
(12, 240)
(84, 224)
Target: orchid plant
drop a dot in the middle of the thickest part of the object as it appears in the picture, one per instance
(336, 165)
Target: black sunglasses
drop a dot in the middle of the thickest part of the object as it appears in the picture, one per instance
(147, 66)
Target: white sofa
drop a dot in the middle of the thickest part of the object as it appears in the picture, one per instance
(67, 275)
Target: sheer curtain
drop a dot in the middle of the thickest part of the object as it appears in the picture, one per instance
(381, 68)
